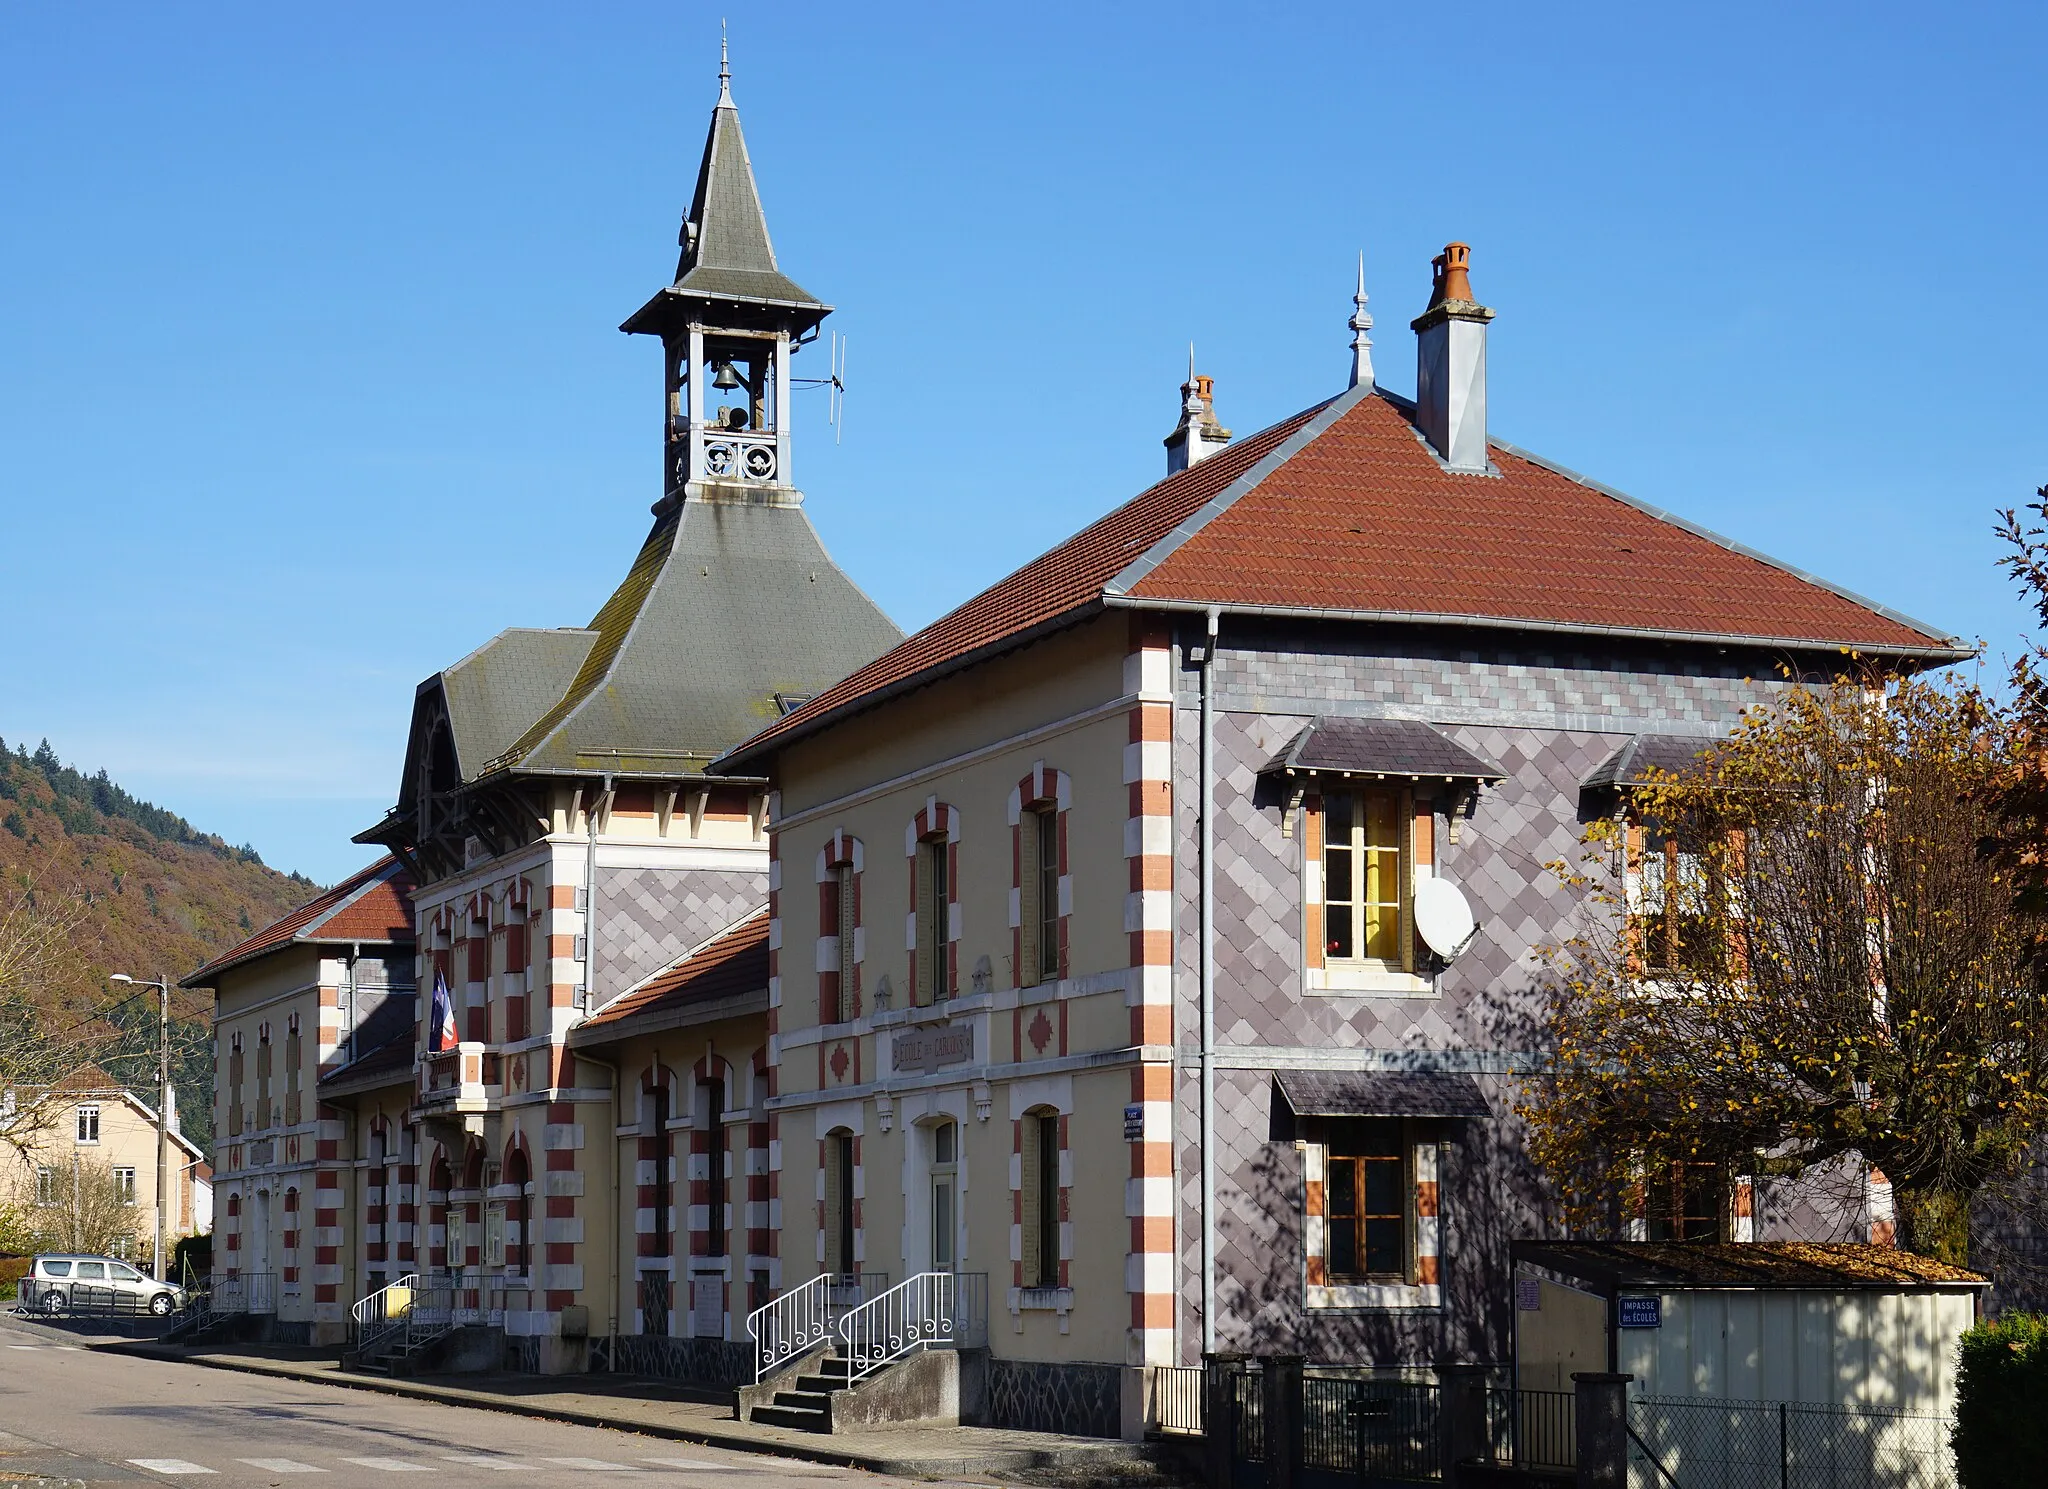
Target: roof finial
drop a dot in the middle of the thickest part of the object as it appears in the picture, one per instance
(724, 66)
(1361, 322)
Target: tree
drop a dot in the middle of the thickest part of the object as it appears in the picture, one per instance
(1803, 958)
(75, 1206)
(36, 1051)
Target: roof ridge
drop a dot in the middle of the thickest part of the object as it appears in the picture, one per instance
(1325, 414)
(370, 878)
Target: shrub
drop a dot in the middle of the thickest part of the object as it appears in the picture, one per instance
(195, 1252)
(2001, 1433)
(12, 1270)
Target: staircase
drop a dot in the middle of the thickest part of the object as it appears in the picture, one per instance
(396, 1324)
(807, 1405)
(830, 1335)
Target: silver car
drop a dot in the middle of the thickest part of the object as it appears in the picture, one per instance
(95, 1284)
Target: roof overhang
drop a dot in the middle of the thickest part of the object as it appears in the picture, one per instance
(1381, 1093)
(1806, 1266)
(661, 1019)
(1644, 759)
(1353, 748)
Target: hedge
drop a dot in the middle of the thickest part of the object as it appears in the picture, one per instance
(2001, 1431)
(12, 1270)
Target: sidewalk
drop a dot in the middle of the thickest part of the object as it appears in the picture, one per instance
(632, 1405)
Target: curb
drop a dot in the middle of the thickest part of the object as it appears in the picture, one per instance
(998, 1461)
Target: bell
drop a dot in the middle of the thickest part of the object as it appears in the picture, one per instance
(725, 376)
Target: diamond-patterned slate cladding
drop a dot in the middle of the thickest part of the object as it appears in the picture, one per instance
(1547, 719)
(646, 918)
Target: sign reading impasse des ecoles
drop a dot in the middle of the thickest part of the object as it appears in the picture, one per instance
(1639, 1313)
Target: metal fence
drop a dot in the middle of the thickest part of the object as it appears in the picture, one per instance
(1533, 1429)
(1377, 1429)
(1710, 1443)
(1176, 1404)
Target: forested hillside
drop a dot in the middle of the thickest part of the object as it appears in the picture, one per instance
(156, 897)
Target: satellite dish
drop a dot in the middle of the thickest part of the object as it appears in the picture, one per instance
(1443, 918)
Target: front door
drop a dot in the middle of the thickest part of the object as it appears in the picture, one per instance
(945, 1196)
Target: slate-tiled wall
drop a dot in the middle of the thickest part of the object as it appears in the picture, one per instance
(646, 918)
(1547, 719)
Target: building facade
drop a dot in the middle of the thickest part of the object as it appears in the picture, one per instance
(1159, 935)
(567, 843)
(91, 1129)
(322, 988)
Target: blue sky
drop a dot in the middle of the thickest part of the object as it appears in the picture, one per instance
(309, 380)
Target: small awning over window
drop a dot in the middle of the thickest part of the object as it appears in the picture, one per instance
(1381, 1093)
(1644, 754)
(1391, 749)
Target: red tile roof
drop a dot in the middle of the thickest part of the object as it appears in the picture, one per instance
(732, 963)
(374, 905)
(1342, 510)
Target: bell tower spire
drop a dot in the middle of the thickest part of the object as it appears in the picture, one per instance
(728, 326)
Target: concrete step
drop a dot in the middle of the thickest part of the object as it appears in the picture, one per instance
(822, 1385)
(804, 1400)
(795, 1418)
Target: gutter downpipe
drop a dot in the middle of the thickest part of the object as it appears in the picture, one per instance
(590, 895)
(1206, 851)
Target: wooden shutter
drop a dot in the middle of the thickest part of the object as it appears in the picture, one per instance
(835, 1208)
(928, 930)
(1027, 1179)
(1029, 973)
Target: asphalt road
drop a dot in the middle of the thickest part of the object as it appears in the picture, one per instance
(68, 1413)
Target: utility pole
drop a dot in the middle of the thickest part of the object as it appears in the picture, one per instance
(163, 1114)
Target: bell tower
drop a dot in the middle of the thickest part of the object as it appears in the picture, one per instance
(728, 327)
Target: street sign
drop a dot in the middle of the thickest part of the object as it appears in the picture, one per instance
(1640, 1313)
(1134, 1123)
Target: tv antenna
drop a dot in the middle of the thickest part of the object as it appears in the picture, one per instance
(835, 410)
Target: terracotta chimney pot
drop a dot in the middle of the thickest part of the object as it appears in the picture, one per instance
(1454, 270)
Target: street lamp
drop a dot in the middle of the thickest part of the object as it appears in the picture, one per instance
(163, 1112)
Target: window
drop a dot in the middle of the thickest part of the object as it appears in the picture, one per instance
(1367, 1203)
(124, 1185)
(1039, 1171)
(1364, 877)
(934, 896)
(92, 1271)
(945, 1168)
(1672, 902)
(718, 1182)
(657, 1102)
(89, 1124)
(1684, 1203)
(1039, 896)
(46, 1184)
(839, 1258)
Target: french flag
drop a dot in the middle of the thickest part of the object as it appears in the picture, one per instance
(442, 1036)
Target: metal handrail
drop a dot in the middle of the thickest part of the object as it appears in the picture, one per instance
(914, 1315)
(378, 1302)
(792, 1325)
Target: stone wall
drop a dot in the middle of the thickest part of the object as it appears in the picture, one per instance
(717, 1363)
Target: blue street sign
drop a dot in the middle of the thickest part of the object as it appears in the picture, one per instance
(1640, 1313)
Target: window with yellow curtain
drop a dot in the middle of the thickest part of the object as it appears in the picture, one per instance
(1364, 876)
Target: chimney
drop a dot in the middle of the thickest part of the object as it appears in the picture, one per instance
(1450, 363)
(1198, 435)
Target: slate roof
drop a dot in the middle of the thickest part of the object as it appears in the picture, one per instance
(731, 257)
(731, 965)
(1382, 747)
(1644, 754)
(1812, 1265)
(495, 694)
(1381, 1093)
(1343, 512)
(726, 605)
(372, 905)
